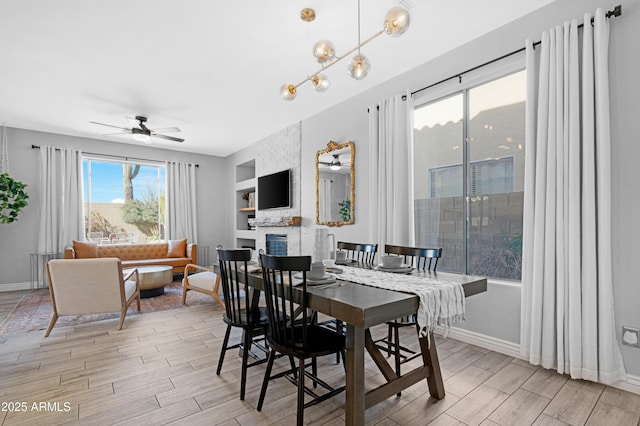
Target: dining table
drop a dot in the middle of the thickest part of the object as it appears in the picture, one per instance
(361, 307)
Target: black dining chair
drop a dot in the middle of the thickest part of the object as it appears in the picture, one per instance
(291, 330)
(423, 259)
(361, 253)
(240, 312)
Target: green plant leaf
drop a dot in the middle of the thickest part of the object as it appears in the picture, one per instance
(13, 198)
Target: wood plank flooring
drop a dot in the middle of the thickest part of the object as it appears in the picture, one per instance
(161, 369)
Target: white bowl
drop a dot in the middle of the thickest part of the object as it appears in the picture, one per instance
(391, 261)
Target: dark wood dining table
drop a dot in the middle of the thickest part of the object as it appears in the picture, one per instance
(361, 307)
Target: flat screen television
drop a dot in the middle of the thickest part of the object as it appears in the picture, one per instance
(274, 190)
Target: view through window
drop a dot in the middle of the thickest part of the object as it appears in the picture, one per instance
(469, 177)
(123, 202)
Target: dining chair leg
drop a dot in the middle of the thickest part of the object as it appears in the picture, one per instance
(389, 337)
(245, 358)
(225, 342)
(300, 411)
(396, 342)
(339, 329)
(265, 381)
(314, 370)
(293, 367)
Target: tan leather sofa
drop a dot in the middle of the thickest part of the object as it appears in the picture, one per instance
(176, 253)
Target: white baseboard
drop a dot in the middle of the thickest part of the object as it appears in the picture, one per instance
(15, 286)
(487, 342)
(632, 384)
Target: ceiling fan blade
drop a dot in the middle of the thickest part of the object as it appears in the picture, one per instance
(123, 132)
(169, 138)
(168, 130)
(109, 125)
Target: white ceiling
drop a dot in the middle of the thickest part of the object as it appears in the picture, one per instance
(211, 68)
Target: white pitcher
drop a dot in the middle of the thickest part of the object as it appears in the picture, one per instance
(322, 249)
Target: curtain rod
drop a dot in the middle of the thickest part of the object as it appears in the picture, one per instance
(617, 11)
(119, 156)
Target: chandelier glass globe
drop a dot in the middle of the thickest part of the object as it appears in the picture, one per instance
(359, 66)
(288, 92)
(321, 82)
(324, 51)
(396, 21)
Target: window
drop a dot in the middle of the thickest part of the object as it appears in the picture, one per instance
(469, 175)
(123, 202)
(487, 177)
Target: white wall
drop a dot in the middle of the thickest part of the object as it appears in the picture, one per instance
(19, 239)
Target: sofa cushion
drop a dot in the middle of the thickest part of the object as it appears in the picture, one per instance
(177, 248)
(134, 251)
(85, 250)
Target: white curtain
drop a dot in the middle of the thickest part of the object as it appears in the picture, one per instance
(324, 193)
(391, 171)
(180, 217)
(61, 210)
(567, 296)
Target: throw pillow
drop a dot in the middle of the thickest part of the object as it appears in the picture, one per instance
(177, 248)
(85, 250)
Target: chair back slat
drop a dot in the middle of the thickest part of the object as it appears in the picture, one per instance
(424, 259)
(287, 310)
(233, 271)
(362, 253)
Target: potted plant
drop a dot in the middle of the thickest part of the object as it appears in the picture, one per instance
(13, 198)
(345, 210)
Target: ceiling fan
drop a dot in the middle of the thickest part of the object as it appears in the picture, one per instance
(334, 164)
(142, 132)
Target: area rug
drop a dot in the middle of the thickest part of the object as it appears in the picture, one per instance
(34, 311)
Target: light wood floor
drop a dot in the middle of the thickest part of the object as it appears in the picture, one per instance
(160, 369)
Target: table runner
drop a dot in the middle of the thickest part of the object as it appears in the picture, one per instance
(442, 302)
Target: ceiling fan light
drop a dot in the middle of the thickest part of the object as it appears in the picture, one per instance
(335, 166)
(359, 66)
(142, 137)
(321, 82)
(288, 91)
(324, 51)
(396, 21)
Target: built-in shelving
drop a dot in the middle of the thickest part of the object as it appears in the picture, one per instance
(245, 184)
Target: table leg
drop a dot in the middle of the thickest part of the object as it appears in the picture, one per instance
(355, 400)
(430, 357)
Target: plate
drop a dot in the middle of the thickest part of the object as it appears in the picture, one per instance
(327, 279)
(402, 269)
(345, 262)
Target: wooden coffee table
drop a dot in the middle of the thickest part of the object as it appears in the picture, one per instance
(153, 279)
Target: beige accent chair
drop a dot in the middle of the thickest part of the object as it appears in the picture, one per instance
(91, 286)
(205, 281)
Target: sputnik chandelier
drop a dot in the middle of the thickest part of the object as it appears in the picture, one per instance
(396, 22)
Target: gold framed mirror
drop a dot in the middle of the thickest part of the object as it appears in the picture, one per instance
(335, 184)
